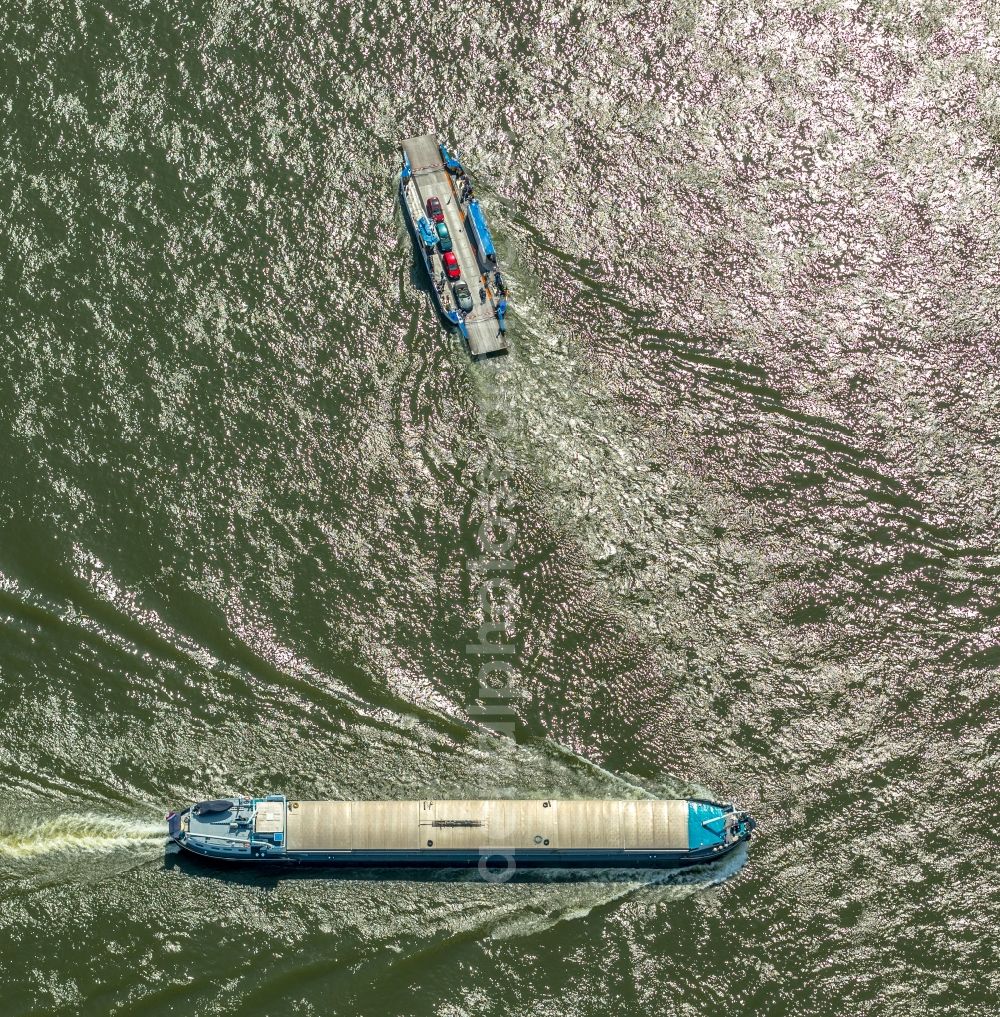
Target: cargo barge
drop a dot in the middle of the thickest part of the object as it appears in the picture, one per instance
(648, 833)
(454, 242)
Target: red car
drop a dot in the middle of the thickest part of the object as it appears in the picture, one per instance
(434, 209)
(450, 263)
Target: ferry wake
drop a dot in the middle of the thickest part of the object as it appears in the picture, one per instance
(648, 833)
(450, 232)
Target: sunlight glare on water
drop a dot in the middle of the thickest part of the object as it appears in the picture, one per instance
(746, 440)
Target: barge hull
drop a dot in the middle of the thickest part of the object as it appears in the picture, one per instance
(497, 858)
(649, 833)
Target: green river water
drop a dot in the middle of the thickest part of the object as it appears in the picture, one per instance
(746, 444)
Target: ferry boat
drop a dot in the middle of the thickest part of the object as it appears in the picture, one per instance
(647, 833)
(455, 244)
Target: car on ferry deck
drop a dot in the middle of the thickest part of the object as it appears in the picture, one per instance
(462, 296)
(444, 237)
(434, 209)
(450, 263)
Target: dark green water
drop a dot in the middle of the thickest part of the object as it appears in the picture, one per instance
(747, 442)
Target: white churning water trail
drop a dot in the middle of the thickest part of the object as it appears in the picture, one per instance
(648, 526)
(87, 833)
(644, 524)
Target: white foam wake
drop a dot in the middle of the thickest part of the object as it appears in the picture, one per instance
(87, 833)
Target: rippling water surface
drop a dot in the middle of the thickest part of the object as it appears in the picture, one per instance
(747, 441)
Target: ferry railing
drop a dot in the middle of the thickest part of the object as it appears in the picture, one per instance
(216, 836)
